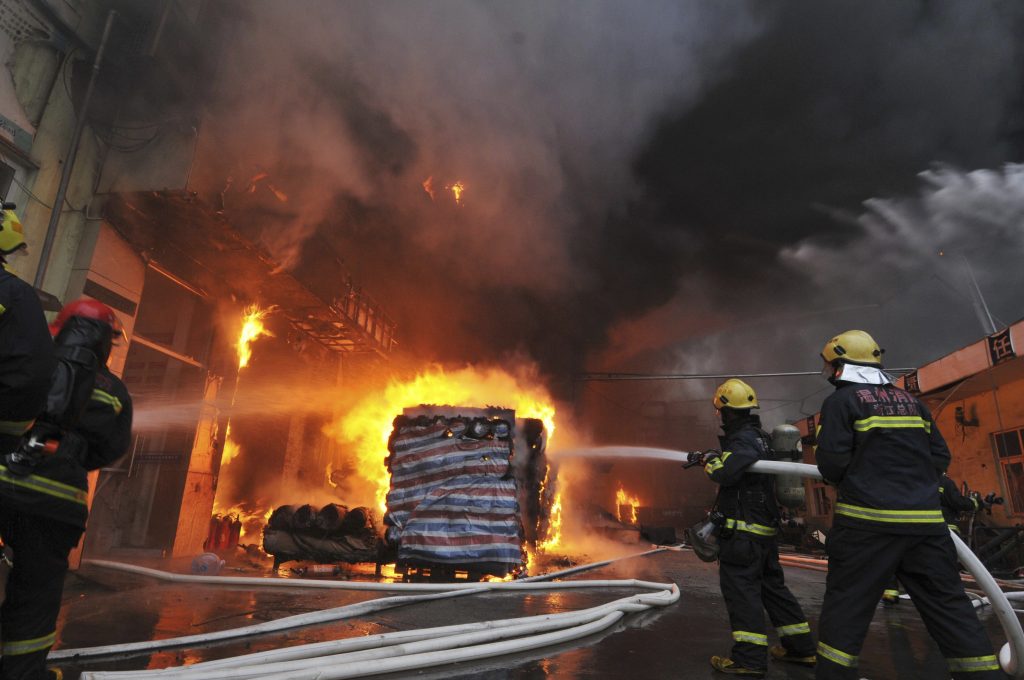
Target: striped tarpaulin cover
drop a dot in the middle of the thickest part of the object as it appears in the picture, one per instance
(450, 500)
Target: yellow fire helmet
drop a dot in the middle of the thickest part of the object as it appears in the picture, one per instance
(12, 236)
(855, 347)
(735, 393)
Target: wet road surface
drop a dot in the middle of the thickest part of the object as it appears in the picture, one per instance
(105, 607)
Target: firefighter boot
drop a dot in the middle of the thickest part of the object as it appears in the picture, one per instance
(726, 665)
(891, 597)
(780, 653)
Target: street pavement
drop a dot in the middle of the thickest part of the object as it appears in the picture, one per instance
(105, 607)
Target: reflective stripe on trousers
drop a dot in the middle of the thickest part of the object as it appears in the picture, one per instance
(973, 663)
(794, 629)
(16, 647)
(752, 638)
(836, 656)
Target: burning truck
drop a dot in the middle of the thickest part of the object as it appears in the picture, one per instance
(469, 493)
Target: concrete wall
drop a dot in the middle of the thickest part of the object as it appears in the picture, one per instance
(39, 76)
(974, 458)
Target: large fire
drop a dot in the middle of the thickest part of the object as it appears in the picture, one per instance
(623, 499)
(368, 425)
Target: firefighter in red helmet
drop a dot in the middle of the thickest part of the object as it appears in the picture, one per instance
(86, 425)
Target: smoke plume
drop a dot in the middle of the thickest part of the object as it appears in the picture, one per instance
(340, 113)
(656, 186)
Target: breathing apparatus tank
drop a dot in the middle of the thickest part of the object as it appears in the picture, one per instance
(789, 489)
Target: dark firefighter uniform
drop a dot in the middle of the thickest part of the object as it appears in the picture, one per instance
(879, 445)
(750, 575)
(42, 517)
(953, 503)
(26, 359)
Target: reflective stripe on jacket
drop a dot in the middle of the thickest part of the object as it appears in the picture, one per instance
(58, 486)
(880, 446)
(747, 499)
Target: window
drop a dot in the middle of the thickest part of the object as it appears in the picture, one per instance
(1007, 446)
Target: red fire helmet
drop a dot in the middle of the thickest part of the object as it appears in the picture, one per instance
(90, 309)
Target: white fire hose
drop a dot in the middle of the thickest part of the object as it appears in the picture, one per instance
(391, 652)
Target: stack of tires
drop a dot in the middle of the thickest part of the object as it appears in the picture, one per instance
(330, 534)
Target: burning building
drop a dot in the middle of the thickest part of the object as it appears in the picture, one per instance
(213, 422)
(180, 218)
(167, 232)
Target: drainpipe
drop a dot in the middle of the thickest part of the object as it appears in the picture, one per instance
(69, 161)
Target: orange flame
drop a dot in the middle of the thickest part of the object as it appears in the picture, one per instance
(278, 194)
(457, 188)
(231, 448)
(252, 328)
(622, 498)
(554, 532)
(428, 186)
(368, 425)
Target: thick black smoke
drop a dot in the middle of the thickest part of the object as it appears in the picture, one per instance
(769, 182)
(636, 175)
(350, 120)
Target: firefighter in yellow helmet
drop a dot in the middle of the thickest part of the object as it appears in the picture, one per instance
(27, 363)
(12, 234)
(750, 576)
(26, 349)
(879, 445)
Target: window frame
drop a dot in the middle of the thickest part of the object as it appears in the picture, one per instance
(1015, 498)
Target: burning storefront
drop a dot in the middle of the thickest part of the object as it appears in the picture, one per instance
(215, 418)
